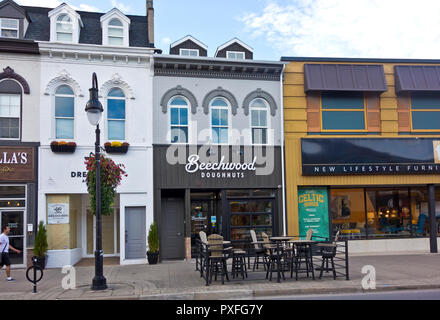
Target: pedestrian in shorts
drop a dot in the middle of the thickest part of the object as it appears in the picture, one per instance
(4, 250)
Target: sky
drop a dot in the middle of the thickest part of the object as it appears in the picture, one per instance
(300, 28)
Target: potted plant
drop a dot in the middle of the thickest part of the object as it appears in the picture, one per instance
(63, 146)
(40, 247)
(116, 147)
(153, 244)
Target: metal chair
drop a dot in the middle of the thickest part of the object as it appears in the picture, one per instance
(273, 255)
(328, 252)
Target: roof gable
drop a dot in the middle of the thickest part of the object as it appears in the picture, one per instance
(115, 12)
(234, 41)
(64, 7)
(13, 7)
(189, 38)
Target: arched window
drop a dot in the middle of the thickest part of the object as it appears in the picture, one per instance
(115, 33)
(64, 28)
(258, 110)
(219, 121)
(64, 112)
(116, 114)
(10, 101)
(179, 121)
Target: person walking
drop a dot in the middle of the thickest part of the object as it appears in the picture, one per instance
(4, 249)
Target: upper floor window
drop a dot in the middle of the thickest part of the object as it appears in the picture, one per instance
(115, 32)
(179, 119)
(258, 110)
(343, 111)
(235, 55)
(64, 28)
(116, 114)
(10, 116)
(64, 112)
(9, 28)
(425, 111)
(189, 52)
(220, 121)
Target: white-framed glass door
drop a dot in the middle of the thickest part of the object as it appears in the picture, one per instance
(15, 219)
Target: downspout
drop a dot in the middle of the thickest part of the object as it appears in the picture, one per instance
(282, 152)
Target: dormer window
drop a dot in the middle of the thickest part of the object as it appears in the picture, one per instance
(189, 52)
(64, 28)
(9, 28)
(115, 29)
(235, 55)
(115, 33)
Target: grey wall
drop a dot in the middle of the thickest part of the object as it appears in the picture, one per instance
(200, 87)
(235, 47)
(188, 44)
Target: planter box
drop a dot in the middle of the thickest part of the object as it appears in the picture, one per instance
(62, 148)
(122, 149)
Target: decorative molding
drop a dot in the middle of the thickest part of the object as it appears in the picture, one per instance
(220, 92)
(179, 91)
(117, 82)
(216, 74)
(263, 95)
(9, 73)
(63, 78)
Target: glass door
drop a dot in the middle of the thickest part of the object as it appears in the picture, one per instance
(15, 220)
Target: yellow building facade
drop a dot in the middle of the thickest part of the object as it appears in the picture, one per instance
(388, 115)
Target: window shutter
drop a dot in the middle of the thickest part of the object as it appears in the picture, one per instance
(314, 112)
(372, 101)
(403, 111)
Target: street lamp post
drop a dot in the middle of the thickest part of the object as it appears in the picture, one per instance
(94, 111)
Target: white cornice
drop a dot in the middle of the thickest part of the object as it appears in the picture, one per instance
(95, 49)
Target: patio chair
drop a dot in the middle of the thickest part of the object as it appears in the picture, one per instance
(217, 258)
(258, 251)
(202, 250)
(328, 252)
(273, 256)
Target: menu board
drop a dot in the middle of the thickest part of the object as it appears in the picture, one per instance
(313, 213)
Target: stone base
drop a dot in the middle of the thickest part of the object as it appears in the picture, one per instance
(188, 249)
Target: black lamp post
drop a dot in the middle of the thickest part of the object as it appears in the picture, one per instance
(94, 111)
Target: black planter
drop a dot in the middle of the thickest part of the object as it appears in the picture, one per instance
(40, 261)
(153, 257)
(110, 149)
(62, 148)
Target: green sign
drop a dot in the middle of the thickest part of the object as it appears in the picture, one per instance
(313, 213)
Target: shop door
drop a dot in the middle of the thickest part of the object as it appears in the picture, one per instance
(172, 235)
(15, 220)
(135, 233)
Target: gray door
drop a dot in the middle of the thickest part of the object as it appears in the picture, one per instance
(135, 233)
(172, 238)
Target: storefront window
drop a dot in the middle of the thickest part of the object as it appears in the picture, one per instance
(392, 213)
(347, 207)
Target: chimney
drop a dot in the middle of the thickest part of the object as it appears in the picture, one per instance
(150, 18)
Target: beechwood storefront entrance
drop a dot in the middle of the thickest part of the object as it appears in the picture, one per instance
(227, 195)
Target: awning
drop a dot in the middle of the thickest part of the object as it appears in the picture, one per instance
(417, 78)
(344, 77)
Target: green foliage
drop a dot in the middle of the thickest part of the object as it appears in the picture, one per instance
(111, 176)
(41, 246)
(153, 239)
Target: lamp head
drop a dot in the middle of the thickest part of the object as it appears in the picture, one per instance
(94, 107)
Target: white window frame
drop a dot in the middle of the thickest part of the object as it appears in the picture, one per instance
(54, 112)
(11, 29)
(188, 107)
(189, 50)
(116, 27)
(228, 108)
(235, 53)
(64, 23)
(259, 127)
(19, 118)
(108, 119)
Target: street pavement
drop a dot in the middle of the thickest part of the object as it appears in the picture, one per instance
(178, 280)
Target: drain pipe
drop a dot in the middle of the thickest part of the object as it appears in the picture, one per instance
(282, 152)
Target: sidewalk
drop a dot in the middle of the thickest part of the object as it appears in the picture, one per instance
(179, 280)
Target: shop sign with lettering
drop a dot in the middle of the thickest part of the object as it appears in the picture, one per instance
(16, 164)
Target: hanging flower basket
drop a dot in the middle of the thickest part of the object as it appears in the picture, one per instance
(63, 147)
(116, 147)
(111, 177)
